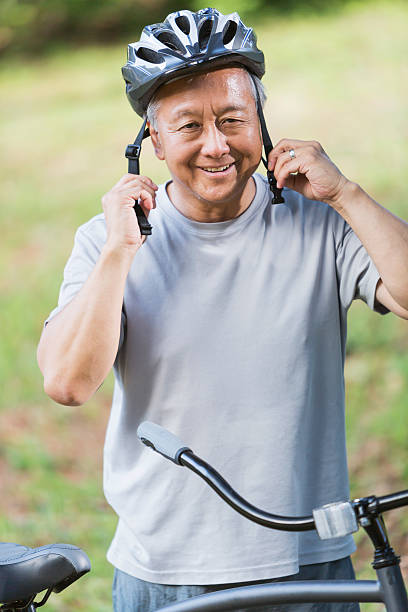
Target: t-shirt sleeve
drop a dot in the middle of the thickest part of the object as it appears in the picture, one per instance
(85, 253)
(357, 275)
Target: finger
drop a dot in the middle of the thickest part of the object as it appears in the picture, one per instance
(304, 155)
(144, 179)
(285, 158)
(122, 181)
(279, 154)
(137, 179)
(135, 192)
(146, 200)
(145, 210)
(285, 145)
(287, 173)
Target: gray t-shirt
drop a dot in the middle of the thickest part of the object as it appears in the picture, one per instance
(233, 338)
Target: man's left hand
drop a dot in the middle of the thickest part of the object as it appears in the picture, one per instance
(304, 166)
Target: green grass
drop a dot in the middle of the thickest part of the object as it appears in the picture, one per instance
(64, 124)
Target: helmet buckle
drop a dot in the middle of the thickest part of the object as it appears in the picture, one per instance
(277, 193)
(133, 151)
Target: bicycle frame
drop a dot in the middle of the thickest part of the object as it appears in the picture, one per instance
(388, 589)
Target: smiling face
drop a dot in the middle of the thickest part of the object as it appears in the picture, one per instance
(208, 134)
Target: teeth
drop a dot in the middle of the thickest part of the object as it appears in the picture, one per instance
(217, 169)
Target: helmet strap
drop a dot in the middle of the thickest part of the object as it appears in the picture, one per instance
(133, 153)
(267, 143)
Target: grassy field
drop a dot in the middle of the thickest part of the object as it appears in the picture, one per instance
(64, 124)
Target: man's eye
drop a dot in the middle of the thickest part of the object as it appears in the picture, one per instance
(190, 126)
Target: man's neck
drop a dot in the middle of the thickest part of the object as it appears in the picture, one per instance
(202, 211)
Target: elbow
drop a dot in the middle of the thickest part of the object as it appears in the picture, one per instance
(65, 394)
(63, 384)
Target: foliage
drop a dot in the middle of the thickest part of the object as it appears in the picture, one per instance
(31, 26)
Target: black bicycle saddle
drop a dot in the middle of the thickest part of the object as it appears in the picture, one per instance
(24, 571)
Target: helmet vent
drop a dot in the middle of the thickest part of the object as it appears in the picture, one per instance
(229, 32)
(171, 41)
(148, 55)
(204, 33)
(184, 24)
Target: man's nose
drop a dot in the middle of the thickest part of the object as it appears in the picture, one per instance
(214, 142)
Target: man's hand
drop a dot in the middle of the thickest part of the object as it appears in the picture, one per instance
(308, 170)
(121, 221)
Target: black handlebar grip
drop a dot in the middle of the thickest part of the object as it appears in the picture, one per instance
(162, 441)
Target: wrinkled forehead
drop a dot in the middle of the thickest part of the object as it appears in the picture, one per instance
(229, 84)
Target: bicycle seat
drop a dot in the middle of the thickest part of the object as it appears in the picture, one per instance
(24, 571)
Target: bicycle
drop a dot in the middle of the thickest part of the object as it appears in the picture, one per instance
(26, 572)
(330, 521)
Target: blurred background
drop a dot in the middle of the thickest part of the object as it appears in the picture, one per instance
(336, 72)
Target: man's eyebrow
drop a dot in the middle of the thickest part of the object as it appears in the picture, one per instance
(227, 109)
(183, 113)
(234, 107)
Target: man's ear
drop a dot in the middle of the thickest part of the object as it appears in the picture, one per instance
(154, 135)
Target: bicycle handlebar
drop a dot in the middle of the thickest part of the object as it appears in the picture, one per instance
(171, 447)
(388, 502)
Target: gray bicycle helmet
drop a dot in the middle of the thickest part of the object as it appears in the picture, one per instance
(182, 44)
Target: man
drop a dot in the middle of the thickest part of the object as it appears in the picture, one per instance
(228, 326)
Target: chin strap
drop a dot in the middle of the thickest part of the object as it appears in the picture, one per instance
(267, 143)
(133, 154)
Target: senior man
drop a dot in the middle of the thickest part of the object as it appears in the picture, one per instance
(228, 326)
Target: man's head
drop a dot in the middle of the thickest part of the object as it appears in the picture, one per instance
(171, 55)
(206, 127)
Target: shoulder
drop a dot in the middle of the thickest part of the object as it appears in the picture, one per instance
(308, 215)
(91, 236)
(95, 225)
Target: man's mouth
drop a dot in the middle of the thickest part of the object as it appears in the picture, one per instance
(217, 168)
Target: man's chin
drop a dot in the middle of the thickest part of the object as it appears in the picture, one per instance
(229, 197)
(218, 196)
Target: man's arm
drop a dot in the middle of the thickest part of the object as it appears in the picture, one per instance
(384, 235)
(385, 238)
(79, 345)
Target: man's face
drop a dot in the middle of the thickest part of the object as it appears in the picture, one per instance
(208, 133)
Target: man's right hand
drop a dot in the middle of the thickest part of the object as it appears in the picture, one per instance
(118, 205)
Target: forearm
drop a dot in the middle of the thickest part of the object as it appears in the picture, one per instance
(384, 236)
(78, 347)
